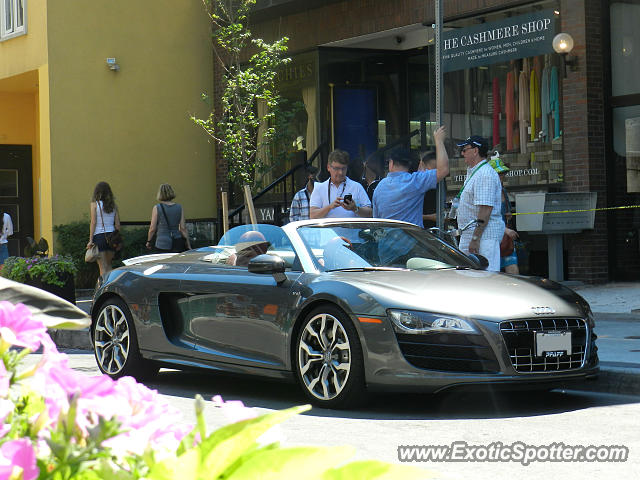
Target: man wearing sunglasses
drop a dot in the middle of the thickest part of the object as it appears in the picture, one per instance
(479, 199)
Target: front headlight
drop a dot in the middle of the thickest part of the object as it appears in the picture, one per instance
(409, 321)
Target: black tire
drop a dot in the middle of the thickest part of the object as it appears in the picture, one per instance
(318, 355)
(115, 344)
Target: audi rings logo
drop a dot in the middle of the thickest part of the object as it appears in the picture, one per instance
(543, 310)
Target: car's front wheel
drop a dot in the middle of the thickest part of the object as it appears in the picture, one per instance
(328, 359)
(115, 344)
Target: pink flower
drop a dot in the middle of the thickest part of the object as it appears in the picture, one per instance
(234, 410)
(17, 327)
(147, 419)
(18, 454)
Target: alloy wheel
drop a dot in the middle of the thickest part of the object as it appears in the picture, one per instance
(111, 339)
(324, 356)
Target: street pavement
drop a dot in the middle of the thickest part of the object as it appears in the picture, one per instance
(616, 308)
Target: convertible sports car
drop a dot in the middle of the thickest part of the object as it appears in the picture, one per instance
(343, 306)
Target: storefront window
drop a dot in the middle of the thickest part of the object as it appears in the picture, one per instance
(625, 90)
(503, 81)
(625, 48)
(298, 129)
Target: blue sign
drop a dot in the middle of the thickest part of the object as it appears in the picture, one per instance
(496, 42)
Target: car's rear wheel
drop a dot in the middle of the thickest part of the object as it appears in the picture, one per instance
(115, 343)
(328, 359)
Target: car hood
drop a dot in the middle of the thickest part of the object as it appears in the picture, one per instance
(468, 293)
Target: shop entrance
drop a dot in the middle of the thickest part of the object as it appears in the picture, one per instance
(16, 193)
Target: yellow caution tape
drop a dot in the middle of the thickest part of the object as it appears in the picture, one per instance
(575, 211)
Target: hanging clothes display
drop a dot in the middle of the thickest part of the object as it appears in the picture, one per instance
(534, 104)
(554, 101)
(545, 106)
(497, 110)
(510, 110)
(523, 109)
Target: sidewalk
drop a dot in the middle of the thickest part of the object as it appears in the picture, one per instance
(616, 308)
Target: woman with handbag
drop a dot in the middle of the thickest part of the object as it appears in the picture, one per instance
(104, 227)
(167, 223)
(508, 256)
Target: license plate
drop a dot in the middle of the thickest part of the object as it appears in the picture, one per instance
(553, 344)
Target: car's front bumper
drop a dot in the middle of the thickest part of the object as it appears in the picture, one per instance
(494, 358)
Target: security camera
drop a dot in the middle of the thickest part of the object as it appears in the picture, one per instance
(399, 39)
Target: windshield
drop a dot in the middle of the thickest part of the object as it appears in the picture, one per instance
(240, 244)
(380, 245)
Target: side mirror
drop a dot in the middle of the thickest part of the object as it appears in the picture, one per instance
(268, 264)
(480, 260)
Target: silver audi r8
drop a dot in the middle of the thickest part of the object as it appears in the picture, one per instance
(343, 306)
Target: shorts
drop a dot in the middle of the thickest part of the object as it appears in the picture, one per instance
(100, 239)
(511, 259)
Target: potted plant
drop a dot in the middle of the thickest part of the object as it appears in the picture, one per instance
(54, 274)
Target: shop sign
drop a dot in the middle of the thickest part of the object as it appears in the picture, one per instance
(500, 41)
(296, 74)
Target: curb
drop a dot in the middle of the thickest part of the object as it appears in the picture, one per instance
(71, 339)
(613, 380)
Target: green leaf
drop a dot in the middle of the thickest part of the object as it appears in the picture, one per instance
(288, 463)
(186, 466)
(375, 470)
(223, 447)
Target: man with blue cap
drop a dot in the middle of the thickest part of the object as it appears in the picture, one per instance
(479, 199)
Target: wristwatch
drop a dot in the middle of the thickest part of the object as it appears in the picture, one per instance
(357, 209)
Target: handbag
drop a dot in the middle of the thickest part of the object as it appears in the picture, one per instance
(506, 246)
(92, 254)
(178, 242)
(114, 239)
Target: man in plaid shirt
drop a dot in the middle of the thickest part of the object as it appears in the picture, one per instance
(480, 200)
(299, 209)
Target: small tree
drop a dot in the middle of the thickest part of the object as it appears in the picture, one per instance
(235, 128)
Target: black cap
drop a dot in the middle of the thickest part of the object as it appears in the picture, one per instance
(475, 141)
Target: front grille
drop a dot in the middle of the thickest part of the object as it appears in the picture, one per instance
(450, 352)
(519, 337)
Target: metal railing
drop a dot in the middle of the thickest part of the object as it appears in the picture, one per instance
(287, 195)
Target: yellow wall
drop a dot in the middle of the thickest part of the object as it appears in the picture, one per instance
(17, 118)
(130, 128)
(26, 52)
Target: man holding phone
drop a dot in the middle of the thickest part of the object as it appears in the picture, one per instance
(339, 196)
(400, 195)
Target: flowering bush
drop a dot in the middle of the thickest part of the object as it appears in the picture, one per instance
(59, 424)
(49, 270)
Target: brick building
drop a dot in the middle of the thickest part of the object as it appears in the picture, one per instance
(364, 70)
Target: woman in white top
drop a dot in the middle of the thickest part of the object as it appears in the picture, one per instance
(6, 230)
(104, 219)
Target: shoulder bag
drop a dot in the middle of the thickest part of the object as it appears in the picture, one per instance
(114, 239)
(178, 242)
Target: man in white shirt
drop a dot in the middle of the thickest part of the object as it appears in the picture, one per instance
(339, 196)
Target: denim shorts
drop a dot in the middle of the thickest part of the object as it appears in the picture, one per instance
(511, 259)
(100, 240)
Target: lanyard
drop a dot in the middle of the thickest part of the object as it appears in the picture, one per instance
(329, 191)
(484, 162)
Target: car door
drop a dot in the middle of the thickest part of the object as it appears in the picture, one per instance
(238, 317)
